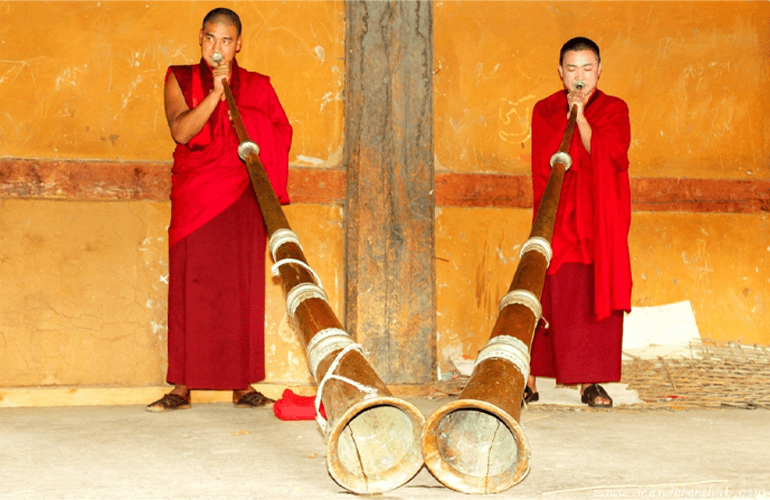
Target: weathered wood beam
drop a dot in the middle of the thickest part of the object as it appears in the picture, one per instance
(390, 292)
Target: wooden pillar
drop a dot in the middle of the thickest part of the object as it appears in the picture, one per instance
(389, 258)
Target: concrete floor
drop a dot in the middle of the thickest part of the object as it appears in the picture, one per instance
(216, 451)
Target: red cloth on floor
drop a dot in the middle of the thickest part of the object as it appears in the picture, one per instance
(295, 407)
(576, 348)
(594, 214)
(208, 175)
(216, 301)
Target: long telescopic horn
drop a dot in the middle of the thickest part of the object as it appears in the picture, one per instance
(475, 444)
(373, 439)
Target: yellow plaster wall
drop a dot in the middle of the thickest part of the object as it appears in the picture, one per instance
(718, 262)
(85, 287)
(694, 74)
(83, 292)
(83, 298)
(84, 80)
(477, 251)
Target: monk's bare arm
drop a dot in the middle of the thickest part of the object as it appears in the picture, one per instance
(186, 123)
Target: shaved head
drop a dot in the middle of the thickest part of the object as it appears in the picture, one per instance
(578, 44)
(224, 16)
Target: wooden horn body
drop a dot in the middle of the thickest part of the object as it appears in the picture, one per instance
(373, 439)
(475, 444)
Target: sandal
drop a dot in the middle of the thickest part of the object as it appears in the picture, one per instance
(169, 402)
(529, 396)
(594, 391)
(253, 400)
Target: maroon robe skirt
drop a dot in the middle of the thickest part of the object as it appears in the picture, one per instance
(216, 301)
(575, 348)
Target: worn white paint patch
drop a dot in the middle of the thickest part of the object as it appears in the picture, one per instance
(286, 331)
(164, 279)
(149, 304)
(156, 327)
(68, 77)
(320, 52)
(309, 159)
(130, 95)
(329, 97)
(501, 256)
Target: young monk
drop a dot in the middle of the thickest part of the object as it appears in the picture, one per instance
(217, 237)
(588, 283)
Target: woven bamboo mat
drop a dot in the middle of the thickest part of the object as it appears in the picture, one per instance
(719, 375)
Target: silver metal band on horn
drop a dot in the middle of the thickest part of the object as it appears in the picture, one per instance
(324, 343)
(301, 293)
(563, 158)
(247, 147)
(508, 348)
(280, 237)
(525, 298)
(539, 245)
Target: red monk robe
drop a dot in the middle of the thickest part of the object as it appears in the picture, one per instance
(588, 283)
(217, 236)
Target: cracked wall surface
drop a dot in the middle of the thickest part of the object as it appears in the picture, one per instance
(85, 289)
(84, 292)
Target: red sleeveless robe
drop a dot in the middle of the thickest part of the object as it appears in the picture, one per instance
(217, 236)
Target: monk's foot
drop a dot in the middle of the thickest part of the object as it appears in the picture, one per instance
(595, 396)
(250, 398)
(170, 402)
(530, 395)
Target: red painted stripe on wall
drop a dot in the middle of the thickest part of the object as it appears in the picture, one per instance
(95, 180)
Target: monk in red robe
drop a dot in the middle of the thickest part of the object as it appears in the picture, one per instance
(217, 236)
(588, 283)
